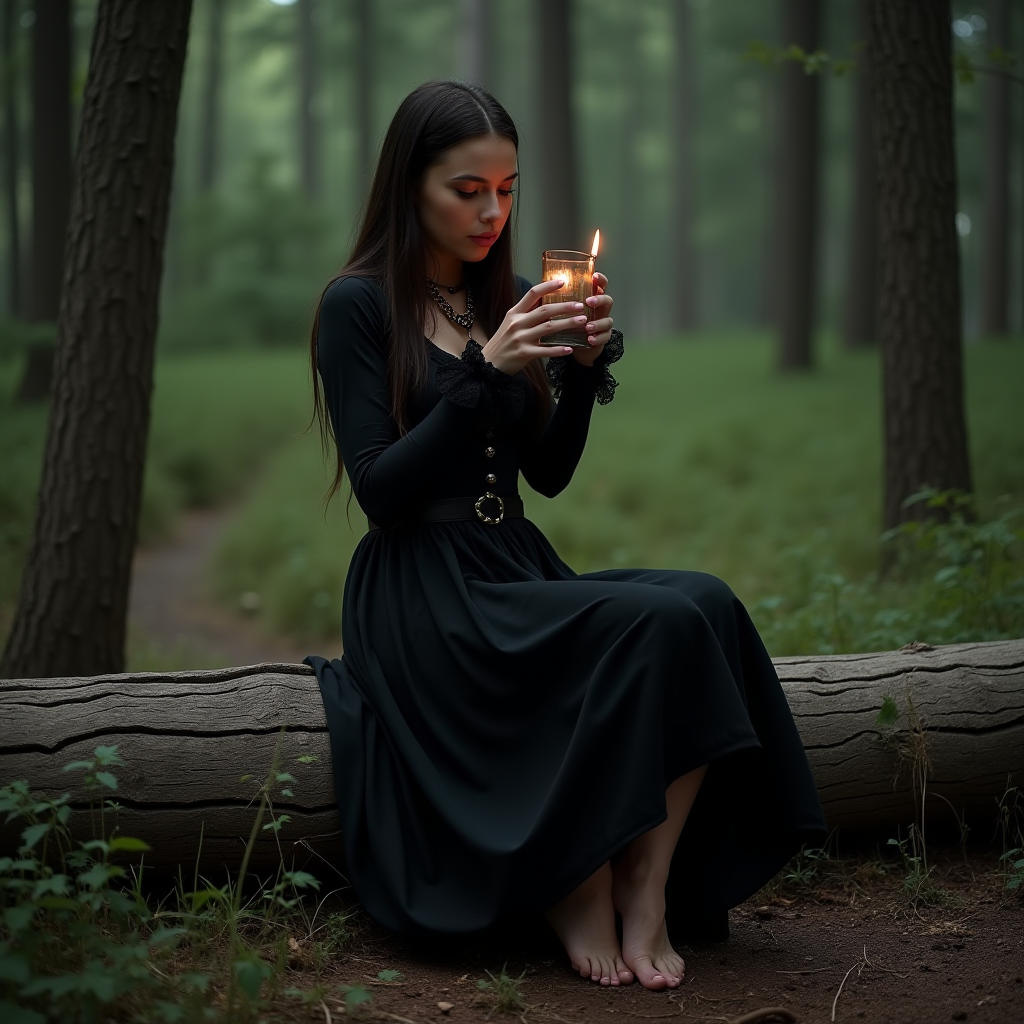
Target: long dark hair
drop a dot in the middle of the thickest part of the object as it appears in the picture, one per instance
(390, 249)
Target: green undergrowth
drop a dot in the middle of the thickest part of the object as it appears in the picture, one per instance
(709, 460)
(82, 940)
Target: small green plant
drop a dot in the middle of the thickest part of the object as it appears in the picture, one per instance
(803, 869)
(1011, 827)
(503, 992)
(389, 975)
(79, 941)
(1014, 861)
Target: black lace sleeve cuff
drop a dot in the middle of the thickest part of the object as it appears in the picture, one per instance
(471, 381)
(597, 377)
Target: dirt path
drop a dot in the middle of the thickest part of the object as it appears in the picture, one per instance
(175, 623)
(853, 940)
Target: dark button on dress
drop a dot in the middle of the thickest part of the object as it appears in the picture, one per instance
(500, 725)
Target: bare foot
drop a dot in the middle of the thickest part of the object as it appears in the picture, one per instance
(585, 922)
(645, 946)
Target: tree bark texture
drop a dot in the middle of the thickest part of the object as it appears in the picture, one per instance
(51, 181)
(187, 738)
(309, 126)
(476, 52)
(560, 186)
(12, 149)
(925, 433)
(799, 173)
(686, 283)
(70, 615)
(860, 316)
(209, 125)
(995, 261)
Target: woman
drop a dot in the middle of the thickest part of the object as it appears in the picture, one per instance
(509, 737)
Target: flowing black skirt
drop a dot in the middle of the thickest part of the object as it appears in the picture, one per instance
(501, 726)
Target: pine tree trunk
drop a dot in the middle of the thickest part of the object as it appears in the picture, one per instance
(11, 157)
(995, 262)
(799, 171)
(476, 52)
(560, 186)
(70, 616)
(309, 127)
(919, 310)
(51, 181)
(685, 279)
(860, 320)
(197, 745)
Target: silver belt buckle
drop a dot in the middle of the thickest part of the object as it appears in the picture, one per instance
(490, 521)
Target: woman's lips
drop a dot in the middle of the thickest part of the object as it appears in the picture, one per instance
(484, 239)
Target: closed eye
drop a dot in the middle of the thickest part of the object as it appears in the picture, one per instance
(469, 195)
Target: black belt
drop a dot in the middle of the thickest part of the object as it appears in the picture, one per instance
(488, 508)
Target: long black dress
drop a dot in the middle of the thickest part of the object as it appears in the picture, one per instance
(500, 725)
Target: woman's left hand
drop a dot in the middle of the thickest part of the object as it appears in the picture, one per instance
(599, 330)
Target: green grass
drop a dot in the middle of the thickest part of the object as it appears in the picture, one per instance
(707, 460)
(215, 421)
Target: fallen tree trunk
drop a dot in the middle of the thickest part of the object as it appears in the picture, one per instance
(198, 745)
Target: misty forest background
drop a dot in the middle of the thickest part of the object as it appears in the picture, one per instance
(723, 451)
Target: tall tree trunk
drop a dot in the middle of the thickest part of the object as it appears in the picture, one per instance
(799, 171)
(627, 242)
(860, 318)
(363, 65)
(209, 128)
(51, 180)
(995, 258)
(920, 308)
(560, 187)
(11, 154)
(685, 279)
(71, 611)
(309, 128)
(476, 54)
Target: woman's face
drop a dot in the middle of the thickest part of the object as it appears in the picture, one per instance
(466, 198)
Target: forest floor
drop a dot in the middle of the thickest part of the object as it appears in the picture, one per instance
(856, 945)
(174, 622)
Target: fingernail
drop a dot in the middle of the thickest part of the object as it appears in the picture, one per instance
(567, 351)
(578, 305)
(592, 301)
(581, 319)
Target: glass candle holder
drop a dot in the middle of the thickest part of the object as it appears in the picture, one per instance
(576, 269)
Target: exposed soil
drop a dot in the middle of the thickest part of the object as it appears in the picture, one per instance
(959, 959)
(173, 617)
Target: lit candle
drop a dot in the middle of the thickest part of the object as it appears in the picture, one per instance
(576, 272)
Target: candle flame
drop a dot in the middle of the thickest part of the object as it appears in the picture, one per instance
(596, 245)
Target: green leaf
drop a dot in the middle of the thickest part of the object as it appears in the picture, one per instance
(33, 834)
(108, 755)
(14, 968)
(250, 974)
(59, 885)
(19, 917)
(389, 975)
(129, 843)
(308, 759)
(888, 714)
(285, 777)
(58, 903)
(106, 779)
(98, 875)
(302, 879)
(355, 995)
(164, 936)
(79, 766)
(287, 792)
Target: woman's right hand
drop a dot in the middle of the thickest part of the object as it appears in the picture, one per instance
(517, 340)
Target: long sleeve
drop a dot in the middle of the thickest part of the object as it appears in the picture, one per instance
(385, 468)
(550, 463)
